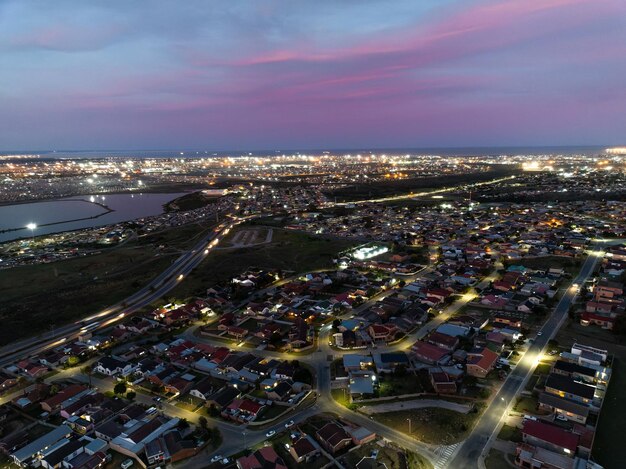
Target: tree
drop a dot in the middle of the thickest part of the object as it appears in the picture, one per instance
(400, 370)
(183, 424)
(120, 388)
(131, 395)
(336, 324)
(303, 375)
(204, 423)
(73, 360)
(87, 371)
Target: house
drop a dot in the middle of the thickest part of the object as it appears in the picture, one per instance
(223, 397)
(441, 382)
(6, 381)
(303, 450)
(55, 402)
(574, 370)
(481, 362)
(361, 435)
(429, 353)
(263, 458)
(169, 448)
(550, 437)
(572, 410)
(34, 370)
(333, 437)
(510, 321)
(605, 322)
(111, 366)
(382, 332)
(387, 362)
(566, 387)
(530, 456)
(280, 392)
(443, 341)
(362, 386)
(202, 389)
(23, 456)
(355, 362)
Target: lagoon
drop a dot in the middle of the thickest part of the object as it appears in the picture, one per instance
(74, 213)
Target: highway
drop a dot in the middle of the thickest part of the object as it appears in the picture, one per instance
(158, 287)
(476, 446)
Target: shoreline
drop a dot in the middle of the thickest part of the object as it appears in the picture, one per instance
(106, 211)
(155, 190)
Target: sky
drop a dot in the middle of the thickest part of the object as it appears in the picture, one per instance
(296, 74)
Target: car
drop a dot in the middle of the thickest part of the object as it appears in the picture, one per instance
(225, 461)
(539, 334)
(216, 458)
(270, 434)
(530, 417)
(561, 417)
(157, 399)
(127, 463)
(289, 424)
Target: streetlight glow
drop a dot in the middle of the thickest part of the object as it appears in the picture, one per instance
(31, 226)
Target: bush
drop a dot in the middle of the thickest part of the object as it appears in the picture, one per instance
(120, 388)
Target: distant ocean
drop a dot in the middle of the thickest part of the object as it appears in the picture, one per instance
(452, 151)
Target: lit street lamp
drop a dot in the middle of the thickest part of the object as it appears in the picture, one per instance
(32, 227)
(409, 420)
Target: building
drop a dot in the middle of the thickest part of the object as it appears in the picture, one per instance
(566, 387)
(33, 450)
(333, 437)
(573, 411)
(481, 362)
(303, 450)
(550, 437)
(264, 458)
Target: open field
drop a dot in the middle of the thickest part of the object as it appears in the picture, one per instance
(571, 266)
(609, 441)
(36, 298)
(287, 251)
(385, 188)
(432, 425)
(392, 458)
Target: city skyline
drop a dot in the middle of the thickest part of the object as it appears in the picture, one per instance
(286, 75)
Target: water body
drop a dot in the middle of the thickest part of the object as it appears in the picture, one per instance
(78, 212)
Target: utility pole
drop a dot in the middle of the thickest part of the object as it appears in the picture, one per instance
(409, 420)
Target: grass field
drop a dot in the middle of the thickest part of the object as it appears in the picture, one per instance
(392, 458)
(432, 425)
(571, 266)
(287, 251)
(497, 460)
(37, 297)
(609, 441)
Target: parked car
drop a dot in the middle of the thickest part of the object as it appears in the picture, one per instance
(289, 424)
(216, 458)
(270, 433)
(127, 463)
(561, 417)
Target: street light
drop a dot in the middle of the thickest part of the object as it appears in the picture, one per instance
(409, 420)
(32, 227)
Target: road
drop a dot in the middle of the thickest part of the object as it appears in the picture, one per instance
(476, 446)
(158, 287)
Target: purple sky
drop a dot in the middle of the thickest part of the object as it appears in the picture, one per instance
(210, 75)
